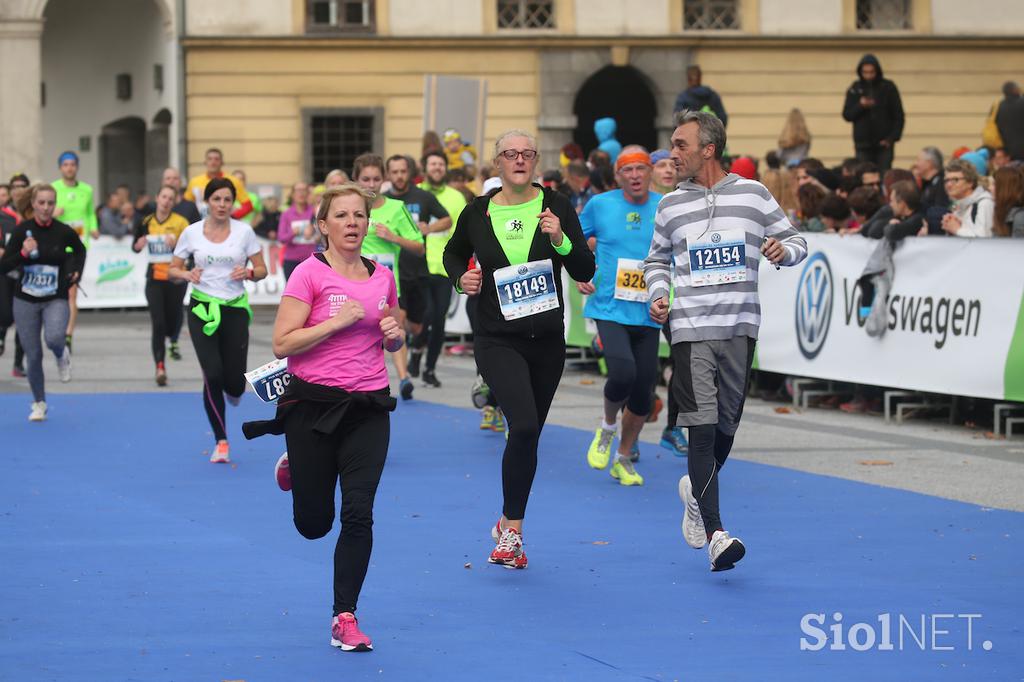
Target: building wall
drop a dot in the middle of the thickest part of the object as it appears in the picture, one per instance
(617, 18)
(80, 79)
(946, 93)
(239, 17)
(801, 17)
(439, 17)
(250, 102)
(980, 17)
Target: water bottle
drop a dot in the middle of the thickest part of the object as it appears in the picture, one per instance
(35, 252)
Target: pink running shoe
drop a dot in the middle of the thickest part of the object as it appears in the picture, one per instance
(221, 453)
(346, 635)
(283, 474)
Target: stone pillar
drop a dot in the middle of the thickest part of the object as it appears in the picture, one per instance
(20, 102)
(562, 72)
(666, 70)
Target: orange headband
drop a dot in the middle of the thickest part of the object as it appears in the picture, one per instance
(632, 157)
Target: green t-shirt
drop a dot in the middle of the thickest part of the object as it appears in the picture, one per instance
(395, 216)
(515, 226)
(453, 201)
(79, 210)
(257, 208)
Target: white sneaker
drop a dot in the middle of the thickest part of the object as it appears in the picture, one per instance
(693, 522)
(64, 365)
(724, 551)
(38, 412)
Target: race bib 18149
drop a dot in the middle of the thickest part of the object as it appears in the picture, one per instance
(526, 289)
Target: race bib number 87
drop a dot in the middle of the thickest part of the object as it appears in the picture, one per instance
(270, 380)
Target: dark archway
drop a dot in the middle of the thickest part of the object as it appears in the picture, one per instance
(123, 155)
(158, 150)
(623, 93)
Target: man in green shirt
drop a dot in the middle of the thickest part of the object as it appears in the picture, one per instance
(75, 207)
(254, 215)
(391, 230)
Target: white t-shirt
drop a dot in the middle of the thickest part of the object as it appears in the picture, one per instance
(217, 260)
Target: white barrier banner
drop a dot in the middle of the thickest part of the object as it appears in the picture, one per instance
(953, 316)
(115, 276)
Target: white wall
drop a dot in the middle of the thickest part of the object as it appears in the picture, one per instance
(83, 49)
(435, 18)
(238, 17)
(620, 18)
(801, 17)
(979, 17)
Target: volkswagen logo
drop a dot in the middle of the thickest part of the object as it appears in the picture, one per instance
(523, 270)
(715, 237)
(813, 305)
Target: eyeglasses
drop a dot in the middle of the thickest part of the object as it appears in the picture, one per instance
(18, 185)
(951, 180)
(527, 154)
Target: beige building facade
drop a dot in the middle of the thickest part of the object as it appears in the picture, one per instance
(289, 87)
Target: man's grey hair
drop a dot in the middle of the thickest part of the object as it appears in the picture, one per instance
(1010, 88)
(710, 128)
(934, 156)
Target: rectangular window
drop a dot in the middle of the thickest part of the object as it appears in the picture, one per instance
(334, 138)
(347, 16)
(711, 15)
(519, 14)
(883, 15)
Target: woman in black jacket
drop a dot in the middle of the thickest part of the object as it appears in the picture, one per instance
(522, 236)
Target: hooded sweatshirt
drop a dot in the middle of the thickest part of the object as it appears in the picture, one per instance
(884, 120)
(605, 128)
(975, 222)
(715, 226)
(702, 98)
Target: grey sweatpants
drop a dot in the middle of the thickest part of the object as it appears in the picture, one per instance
(50, 318)
(710, 380)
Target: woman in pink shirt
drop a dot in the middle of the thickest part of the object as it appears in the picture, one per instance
(334, 324)
(296, 229)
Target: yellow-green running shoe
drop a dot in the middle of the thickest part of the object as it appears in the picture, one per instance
(624, 471)
(600, 448)
(498, 424)
(487, 419)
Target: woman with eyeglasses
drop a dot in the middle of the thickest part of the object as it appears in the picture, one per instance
(522, 235)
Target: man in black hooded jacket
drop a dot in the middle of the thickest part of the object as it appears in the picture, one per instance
(874, 108)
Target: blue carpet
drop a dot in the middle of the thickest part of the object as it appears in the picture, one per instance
(126, 555)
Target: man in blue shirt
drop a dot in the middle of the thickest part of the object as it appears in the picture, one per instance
(619, 226)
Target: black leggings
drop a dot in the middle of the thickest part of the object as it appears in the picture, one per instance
(708, 450)
(524, 375)
(631, 353)
(165, 312)
(222, 358)
(355, 453)
(438, 291)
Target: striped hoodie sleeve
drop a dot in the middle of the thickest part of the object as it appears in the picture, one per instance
(658, 264)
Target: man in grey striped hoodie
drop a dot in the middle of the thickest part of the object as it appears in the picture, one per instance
(708, 238)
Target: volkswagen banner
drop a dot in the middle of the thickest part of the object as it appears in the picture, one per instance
(954, 316)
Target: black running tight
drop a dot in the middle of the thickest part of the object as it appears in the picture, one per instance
(524, 375)
(354, 453)
(222, 358)
(165, 313)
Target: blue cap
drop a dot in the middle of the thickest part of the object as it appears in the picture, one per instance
(659, 155)
(67, 156)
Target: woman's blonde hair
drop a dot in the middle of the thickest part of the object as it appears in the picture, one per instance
(795, 132)
(515, 132)
(24, 206)
(332, 193)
